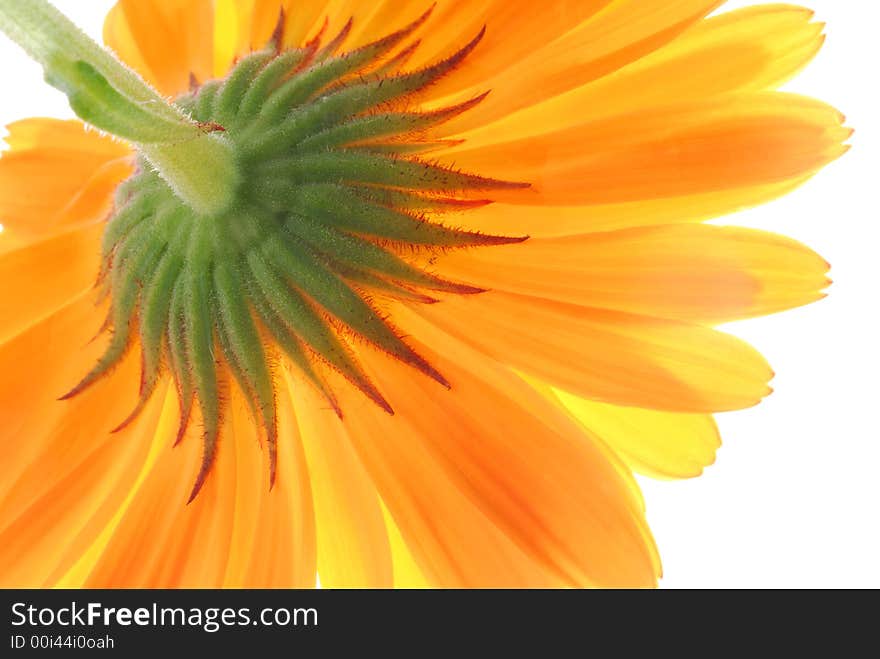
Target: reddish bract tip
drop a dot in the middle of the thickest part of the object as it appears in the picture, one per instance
(445, 114)
(276, 41)
(130, 418)
(373, 394)
(78, 389)
(272, 444)
(494, 241)
(403, 56)
(333, 46)
(315, 41)
(183, 425)
(208, 459)
(385, 44)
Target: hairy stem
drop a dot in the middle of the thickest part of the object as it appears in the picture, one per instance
(196, 161)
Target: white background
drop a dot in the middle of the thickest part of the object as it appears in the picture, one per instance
(793, 498)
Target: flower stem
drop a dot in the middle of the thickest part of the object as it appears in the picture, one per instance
(196, 161)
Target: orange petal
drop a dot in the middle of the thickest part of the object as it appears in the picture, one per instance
(623, 32)
(56, 175)
(751, 49)
(714, 145)
(98, 494)
(146, 543)
(452, 542)
(164, 40)
(280, 548)
(243, 26)
(490, 484)
(60, 505)
(236, 533)
(516, 31)
(697, 273)
(42, 277)
(514, 34)
(609, 356)
(657, 444)
(523, 220)
(407, 573)
(353, 546)
(38, 366)
(60, 468)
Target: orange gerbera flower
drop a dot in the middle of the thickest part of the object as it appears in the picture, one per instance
(455, 322)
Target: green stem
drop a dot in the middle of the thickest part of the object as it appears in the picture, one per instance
(202, 172)
(197, 163)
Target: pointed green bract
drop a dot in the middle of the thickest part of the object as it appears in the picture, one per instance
(358, 168)
(244, 348)
(302, 319)
(228, 99)
(376, 126)
(155, 311)
(342, 208)
(301, 88)
(327, 214)
(267, 79)
(203, 101)
(177, 357)
(351, 251)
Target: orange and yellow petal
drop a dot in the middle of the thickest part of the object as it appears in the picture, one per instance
(243, 26)
(352, 540)
(540, 221)
(166, 41)
(610, 356)
(622, 33)
(56, 176)
(57, 270)
(49, 539)
(751, 49)
(407, 573)
(490, 484)
(660, 165)
(61, 466)
(709, 146)
(39, 366)
(101, 509)
(690, 272)
(656, 444)
(236, 534)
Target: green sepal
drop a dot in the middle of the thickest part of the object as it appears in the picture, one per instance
(139, 257)
(374, 283)
(320, 283)
(204, 104)
(244, 350)
(266, 81)
(298, 90)
(288, 341)
(228, 99)
(301, 319)
(155, 311)
(177, 352)
(156, 296)
(198, 302)
(342, 208)
(352, 251)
